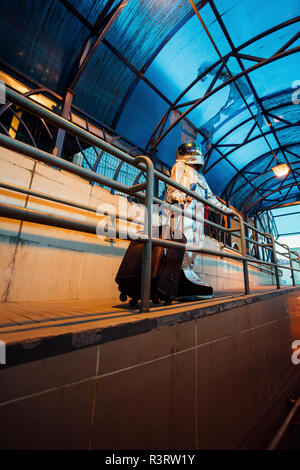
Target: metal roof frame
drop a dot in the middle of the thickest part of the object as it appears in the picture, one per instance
(106, 18)
(230, 193)
(250, 83)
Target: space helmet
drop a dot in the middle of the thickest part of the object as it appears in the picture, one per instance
(190, 153)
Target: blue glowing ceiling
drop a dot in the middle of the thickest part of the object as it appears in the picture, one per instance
(157, 61)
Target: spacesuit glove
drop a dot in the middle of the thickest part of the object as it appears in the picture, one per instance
(181, 199)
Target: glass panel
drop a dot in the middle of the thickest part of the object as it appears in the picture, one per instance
(141, 113)
(91, 9)
(186, 55)
(255, 16)
(276, 76)
(103, 86)
(238, 135)
(142, 26)
(42, 42)
(289, 223)
(243, 155)
(290, 135)
(220, 177)
(268, 45)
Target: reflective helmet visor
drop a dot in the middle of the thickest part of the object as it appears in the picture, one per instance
(190, 153)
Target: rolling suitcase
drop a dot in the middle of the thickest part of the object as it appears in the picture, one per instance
(165, 272)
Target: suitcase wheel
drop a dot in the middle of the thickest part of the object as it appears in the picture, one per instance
(155, 299)
(133, 302)
(123, 297)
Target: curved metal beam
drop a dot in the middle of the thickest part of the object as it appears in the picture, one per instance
(24, 125)
(27, 94)
(233, 129)
(226, 57)
(195, 103)
(250, 84)
(239, 48)
(260, 189)
(225, 155)
(290, 185)
(260, 157)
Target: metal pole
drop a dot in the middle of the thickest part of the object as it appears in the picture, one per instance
(25, 149)
(40, 155)
(291, 264)
(244, 254)
(298, 256)
(61, 132)
(147, 252)
(268, 235)
(153, 155)
(284, 427)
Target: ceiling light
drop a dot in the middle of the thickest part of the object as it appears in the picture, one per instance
(281, 170)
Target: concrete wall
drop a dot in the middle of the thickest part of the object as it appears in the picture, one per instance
(41, 263)
(219, 381)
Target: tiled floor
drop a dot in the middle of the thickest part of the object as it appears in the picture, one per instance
(23, 313)
(25, 320)
(196, 380)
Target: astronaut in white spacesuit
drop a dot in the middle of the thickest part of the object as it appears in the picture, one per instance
(187, 171)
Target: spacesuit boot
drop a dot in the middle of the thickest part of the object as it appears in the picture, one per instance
(194, 233)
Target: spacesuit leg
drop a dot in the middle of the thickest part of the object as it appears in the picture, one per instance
(194, 233)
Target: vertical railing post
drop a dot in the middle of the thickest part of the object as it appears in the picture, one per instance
(255, 237)
(244, 253)
(153, 155)
(298, 258)
(291, 264)
(274, 259)
(246, 231)
(147, 251)
(67, 105)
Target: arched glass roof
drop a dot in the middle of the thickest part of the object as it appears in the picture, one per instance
(159, 72)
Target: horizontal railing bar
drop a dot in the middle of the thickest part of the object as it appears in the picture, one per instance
(250, 240)
(146, 197)
(66, 202)
(283, 254)
(62, 123)
(29, 215)
(181, 211)
(97, 141)
(43, 218)
(58, 162)
(173, 244)
(137, 187)
(264, 234)
(263, 245)
(280, 244)
(94, 140)
(116, 215)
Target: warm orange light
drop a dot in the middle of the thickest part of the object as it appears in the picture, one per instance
(281, 170)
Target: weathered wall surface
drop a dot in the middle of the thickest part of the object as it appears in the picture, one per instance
(220, 381)
(40, 263)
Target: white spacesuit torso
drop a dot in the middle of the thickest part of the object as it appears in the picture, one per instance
(188, 175)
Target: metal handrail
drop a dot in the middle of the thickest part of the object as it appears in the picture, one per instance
(274, 444)
(144, 192)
